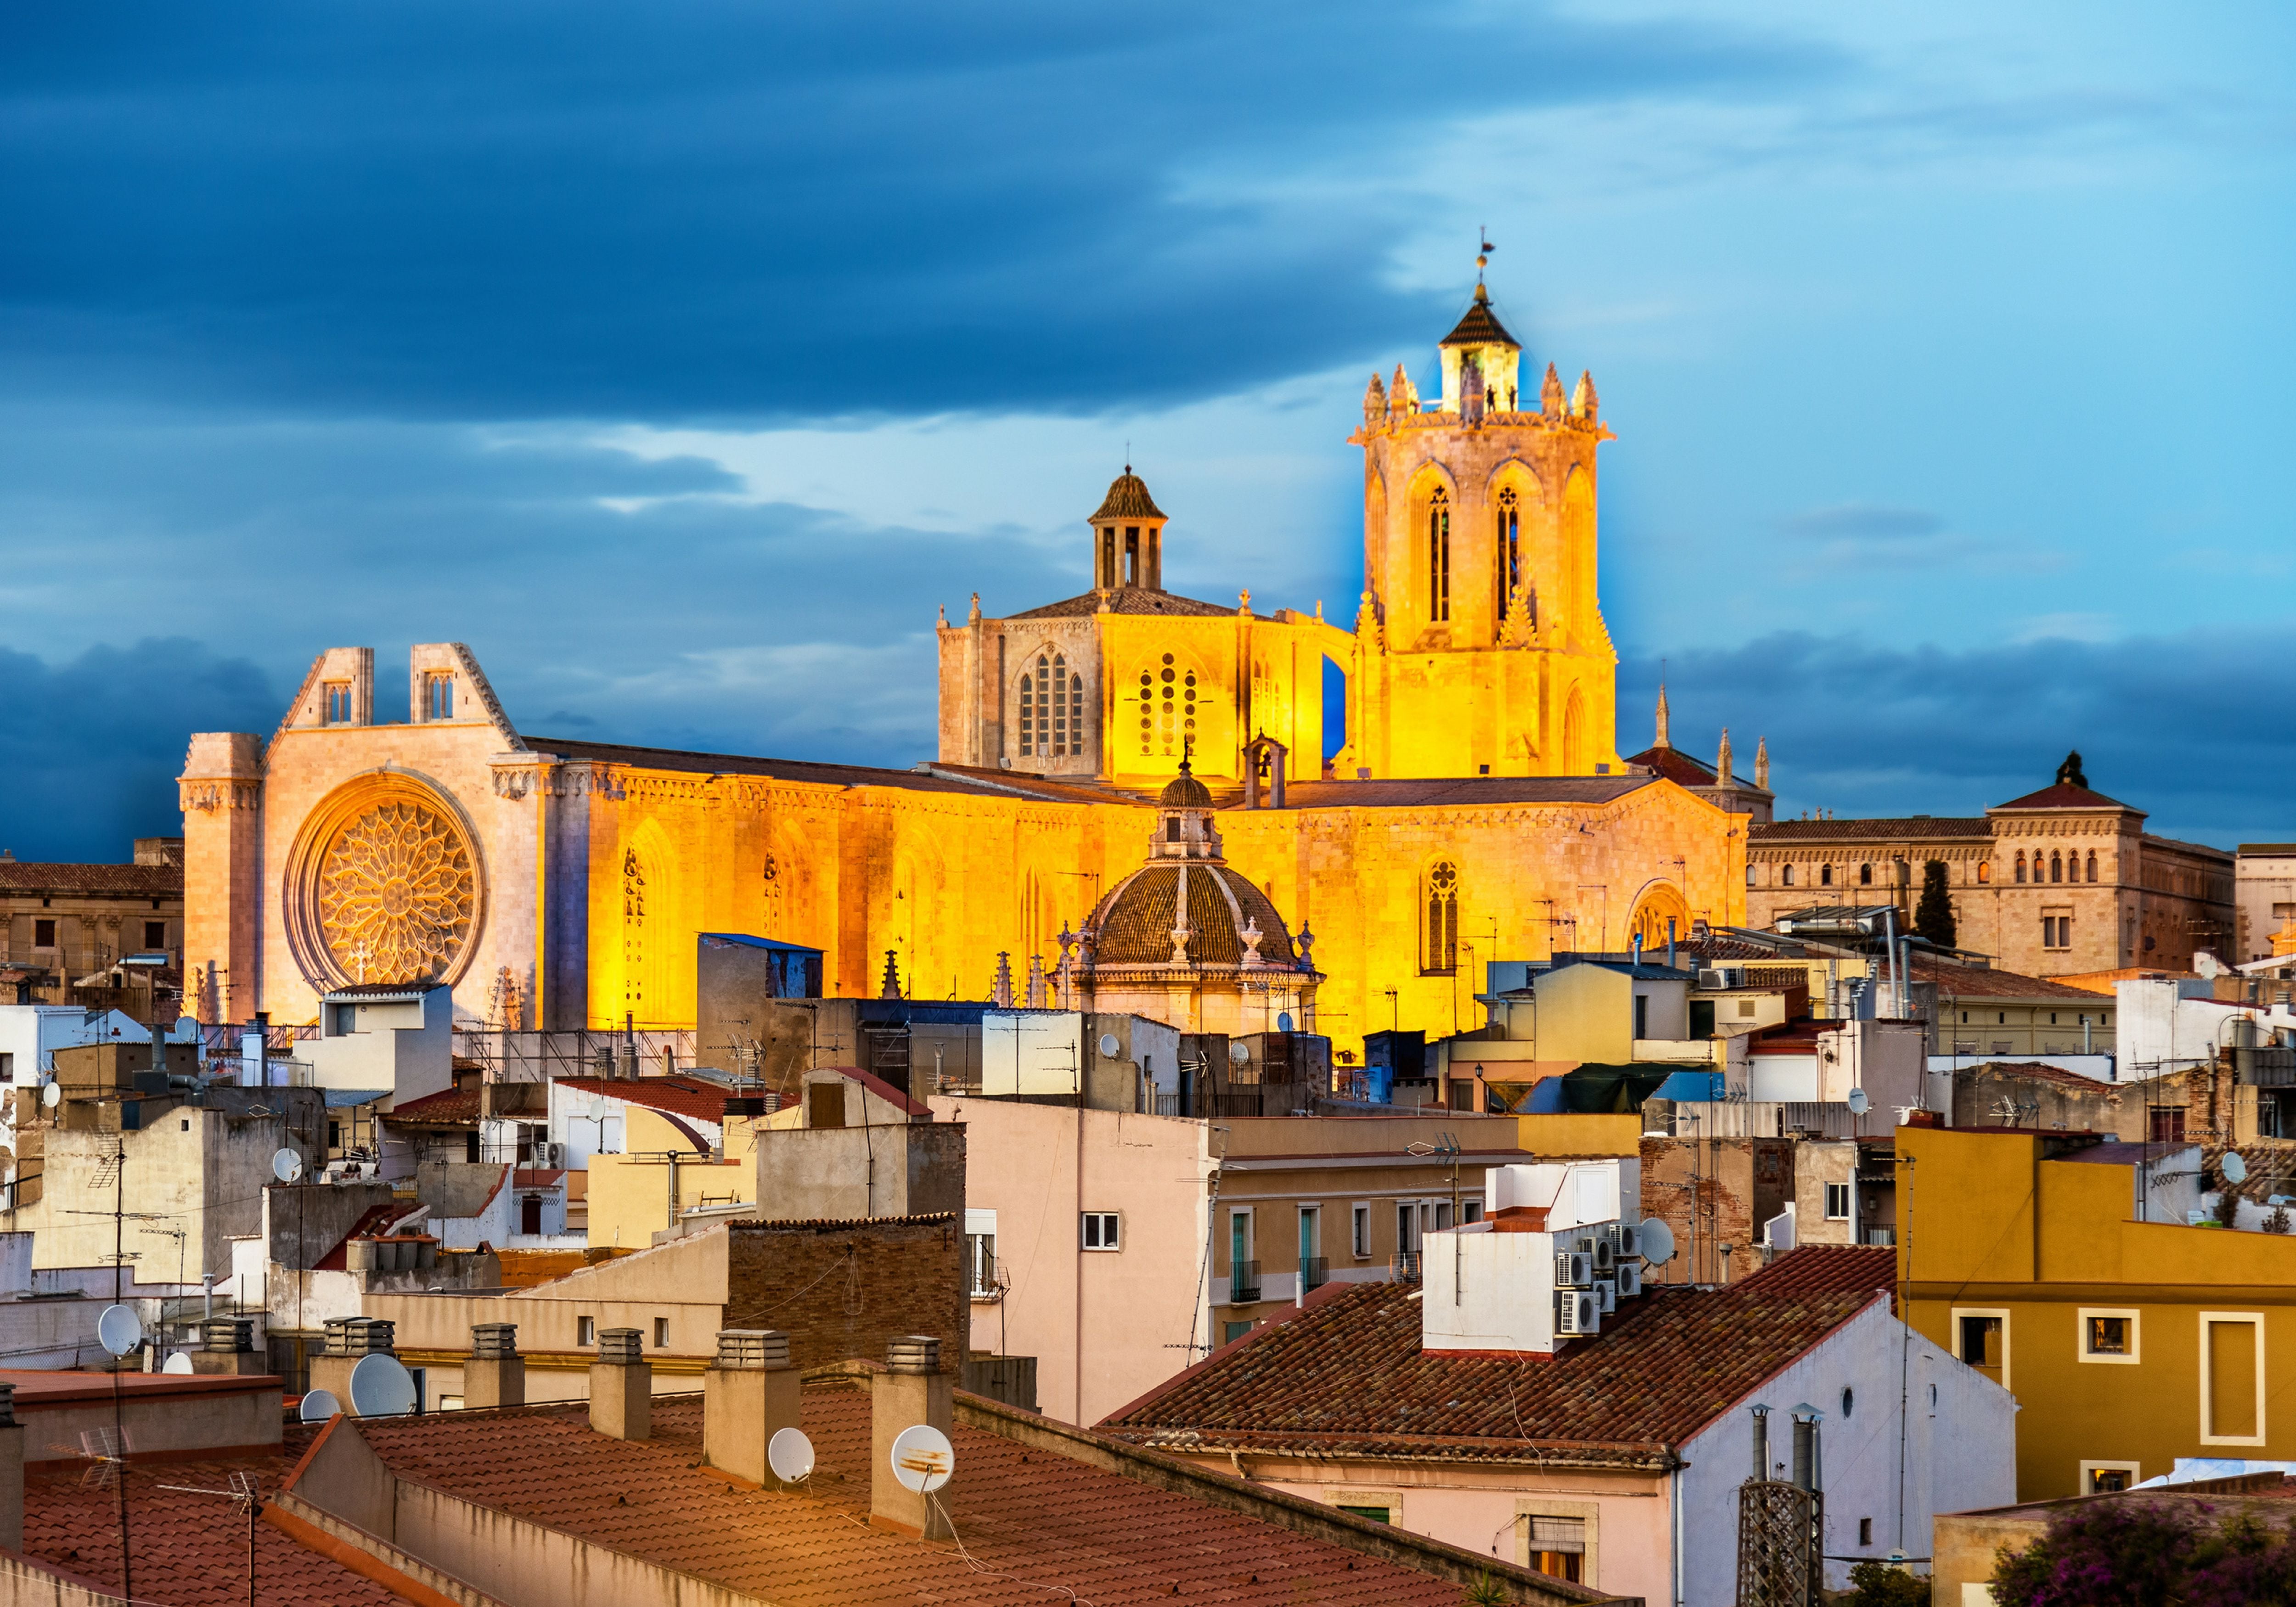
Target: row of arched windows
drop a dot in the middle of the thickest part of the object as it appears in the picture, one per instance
(1052, 709)
(2061, 867)
(1826, 874)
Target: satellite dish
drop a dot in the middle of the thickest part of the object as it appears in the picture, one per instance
(1858, 1102)
(922, 1459)
(2234, 1170)
(382, 1387)
(1658, 1242)
(1237, 1054)
(52, 1094)
(119, 1329)
(789, 1454)
(287, 1166)
(1109, 1046)
(181, 1362)
(318, 1405)
(1283, 1021)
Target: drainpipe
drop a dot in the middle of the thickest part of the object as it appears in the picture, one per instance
(1674, 1502)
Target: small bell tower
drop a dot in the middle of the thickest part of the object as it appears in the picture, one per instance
(1127, 537)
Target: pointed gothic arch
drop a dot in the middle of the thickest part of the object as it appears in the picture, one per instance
(1049, 704)
(1576, 760)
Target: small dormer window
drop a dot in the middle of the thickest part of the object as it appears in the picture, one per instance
(439, 696)
(338, 702)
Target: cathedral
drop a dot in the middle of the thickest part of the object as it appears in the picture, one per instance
(1132, 791)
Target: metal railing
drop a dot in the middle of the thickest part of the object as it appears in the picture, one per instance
(1403, 1266)
(1881, 1236)
(535, 1057)
(1243, 1283)
(1315, 1272)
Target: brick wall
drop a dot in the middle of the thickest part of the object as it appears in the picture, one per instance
(841, 1289)
(1738, 1184)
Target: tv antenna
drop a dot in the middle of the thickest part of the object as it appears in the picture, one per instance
(246, 1494)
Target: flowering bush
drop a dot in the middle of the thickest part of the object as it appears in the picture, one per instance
(2136, 1553)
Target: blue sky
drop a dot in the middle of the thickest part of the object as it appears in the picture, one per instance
(682, 359)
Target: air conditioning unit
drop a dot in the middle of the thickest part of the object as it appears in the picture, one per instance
(1606, 1295)
(1630, 1280)
(1577, 1312)
(1573, 1269)
(1604, 1256)
(1711, 979)
(1629, 1242)
(553, 1154)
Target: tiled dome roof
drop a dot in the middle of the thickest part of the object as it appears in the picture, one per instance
(1127, 498)
(1480, 326)
(1133, 925)
(1184, 792)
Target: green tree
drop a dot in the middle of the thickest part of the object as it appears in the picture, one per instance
(1886, 1585)
(1933, 915)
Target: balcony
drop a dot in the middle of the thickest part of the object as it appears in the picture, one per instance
(1243, 1283)
(1315, 1272)
(1881, 1236)
(1403, 1266)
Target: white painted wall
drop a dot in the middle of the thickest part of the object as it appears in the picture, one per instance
(1959, 1454)
(406, 1048)
(2162, 1029)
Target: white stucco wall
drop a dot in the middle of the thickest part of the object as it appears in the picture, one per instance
(1958, 1455)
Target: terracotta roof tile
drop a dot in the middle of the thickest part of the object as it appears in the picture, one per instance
(149, 880)
(743, 764)
(1350, 1376)
(689, 1096)
(1970, 982)
(1125, 600)
(1479, 325)
(1133, 925)
(1675, 765)
(1908, 828)
(455, 1106)
(1039, 1524)
(2064, 795)
(1127, 498)
(188, 1550)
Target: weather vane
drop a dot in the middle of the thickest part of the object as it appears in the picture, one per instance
(1483, 252)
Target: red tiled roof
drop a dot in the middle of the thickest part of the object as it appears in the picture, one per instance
(693, 1097)
(1675, 765)
(148, 880)
(1914, 828)
(1348, 1376)
(186, 1549)
(1041, 1525)
(1968, 982)
(376, 1218)
(536, 1177)
(2035, 1072)
(448, 1107)
(2064, 795)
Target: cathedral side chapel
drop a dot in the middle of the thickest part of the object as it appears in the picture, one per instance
(1130, 788)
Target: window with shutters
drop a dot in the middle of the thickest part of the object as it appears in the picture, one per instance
(1558, 1547)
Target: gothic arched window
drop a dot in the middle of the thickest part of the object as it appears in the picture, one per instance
(1785, 877)
(1438, 556)
(1825, 875)
(2056, 868)
(1443, 918)
(634, 955)
(1985, 870)
(1865, 875)
(2092, 865)
(1167, 708)
(1510, 550)
(2020, 864)
(1052, 709)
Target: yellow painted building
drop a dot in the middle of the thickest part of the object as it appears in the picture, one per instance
(1479, 810)
(2127, 1343)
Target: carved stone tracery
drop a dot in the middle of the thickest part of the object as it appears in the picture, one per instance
(397, 894)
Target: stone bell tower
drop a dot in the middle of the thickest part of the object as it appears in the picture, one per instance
(1481, 646)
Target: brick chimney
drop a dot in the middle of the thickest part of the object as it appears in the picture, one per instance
(227, 1346)
(749, 1393)
(621, 1386)
(496, 1374)
(12, 1472)
(911, 1391)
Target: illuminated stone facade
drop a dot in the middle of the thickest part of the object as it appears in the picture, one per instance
(1480, 812)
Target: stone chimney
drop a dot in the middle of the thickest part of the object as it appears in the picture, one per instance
(496, 1374)
(621, 1386)
(749, 1393)
(12, 1472)
(227, 1346)
(911, 1391)
(350, 1340)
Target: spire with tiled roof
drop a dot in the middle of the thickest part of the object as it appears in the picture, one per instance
(1127, 537)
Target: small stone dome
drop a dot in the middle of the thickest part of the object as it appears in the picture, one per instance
(1127, 498)
(1184, 792)
(1133, 923)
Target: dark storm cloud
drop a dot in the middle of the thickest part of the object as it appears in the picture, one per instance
(2164, 724)
(92, 747)
(517, 210)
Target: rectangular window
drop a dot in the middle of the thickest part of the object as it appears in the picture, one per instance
(1865, 1531)
(2231, 1378)
(1406, 1227)
(1232, 1331)
(2108, 1335)
(1242, 1264)
(661, 1334)
(1360, 1230)
(1471, 1210)
(44, 934)
(1558, 1547)
(1837, 1202)
(1100, 1230)
(2103, 1478)
(7, 1068)
(338, 702)
(1377, 1514)
(155, 934)
(440, 694)
(1641, 1016)
(586, 1332)
(1981, 1341)
(342, 1020)
(980, 1265)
